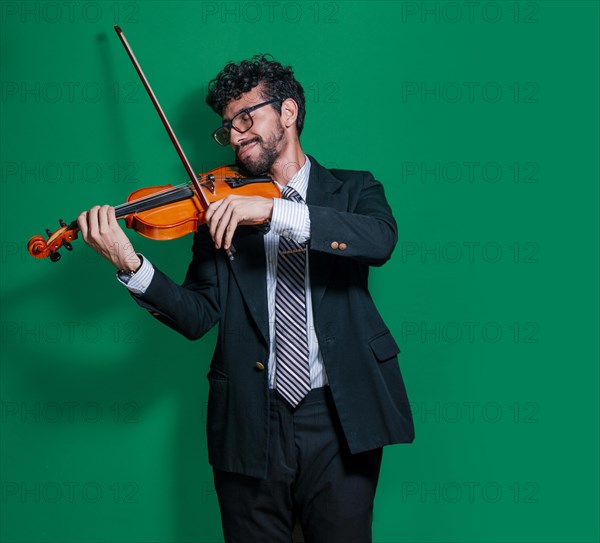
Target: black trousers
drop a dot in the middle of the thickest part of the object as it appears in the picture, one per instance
(311, 475)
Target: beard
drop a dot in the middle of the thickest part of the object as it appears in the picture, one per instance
(268, 152)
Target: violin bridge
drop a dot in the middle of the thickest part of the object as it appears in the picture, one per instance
(209, 182)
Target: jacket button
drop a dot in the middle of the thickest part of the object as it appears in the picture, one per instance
(260, 366)
(342, 246)
(334, 244)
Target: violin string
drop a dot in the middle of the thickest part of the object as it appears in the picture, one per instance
(132, 207)
(149, 202)
(159, 193)
(153, 200)
(146, 203)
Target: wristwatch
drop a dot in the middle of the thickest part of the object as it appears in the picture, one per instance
(126, 275)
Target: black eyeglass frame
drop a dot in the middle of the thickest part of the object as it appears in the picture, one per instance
(226, 128)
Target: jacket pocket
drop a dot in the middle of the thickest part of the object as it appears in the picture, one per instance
(384, 346)
(217, 375)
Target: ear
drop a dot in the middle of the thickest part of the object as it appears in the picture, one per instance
(289, 112)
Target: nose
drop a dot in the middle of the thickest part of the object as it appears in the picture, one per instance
(235, 138)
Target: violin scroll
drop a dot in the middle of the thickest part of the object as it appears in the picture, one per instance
(39, 247)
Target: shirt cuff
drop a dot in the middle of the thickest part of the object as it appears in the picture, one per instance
(290, 220)
(139, 282)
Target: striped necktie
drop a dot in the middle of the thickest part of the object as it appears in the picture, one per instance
(291, 344)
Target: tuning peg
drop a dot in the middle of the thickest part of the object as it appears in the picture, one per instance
(67, 246)
(61, 222)
(54, 256)
(49, 232)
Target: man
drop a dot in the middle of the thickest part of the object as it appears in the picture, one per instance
(305, 388)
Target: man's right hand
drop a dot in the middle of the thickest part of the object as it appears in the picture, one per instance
(101, 231)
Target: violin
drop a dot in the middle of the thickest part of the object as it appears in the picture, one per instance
(166, 212)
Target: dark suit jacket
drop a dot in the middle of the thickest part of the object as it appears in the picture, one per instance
(359, 353)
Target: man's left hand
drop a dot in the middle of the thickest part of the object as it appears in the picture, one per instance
(224, 216)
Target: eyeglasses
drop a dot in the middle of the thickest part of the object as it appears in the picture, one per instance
(241, 122)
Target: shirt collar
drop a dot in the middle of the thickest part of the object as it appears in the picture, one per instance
(300, 180)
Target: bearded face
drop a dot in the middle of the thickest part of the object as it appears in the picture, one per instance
(258, 154)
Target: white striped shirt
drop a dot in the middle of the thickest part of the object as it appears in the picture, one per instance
(292, 220)
(289, 219)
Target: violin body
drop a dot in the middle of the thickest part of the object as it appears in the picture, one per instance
(160, 223)
(165, 212)
(177, 219)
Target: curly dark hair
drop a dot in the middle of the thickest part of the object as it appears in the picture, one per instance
(277, 82)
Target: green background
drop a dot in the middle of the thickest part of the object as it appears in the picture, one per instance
(482, 123)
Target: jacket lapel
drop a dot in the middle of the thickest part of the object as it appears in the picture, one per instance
(249, 269)
(322, 191)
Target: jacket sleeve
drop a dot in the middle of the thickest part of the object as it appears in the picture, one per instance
(192, 308)
(366, 232)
